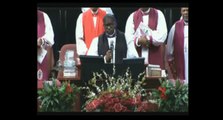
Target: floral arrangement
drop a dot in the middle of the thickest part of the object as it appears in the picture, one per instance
(57, 99)
(171, 97)
(105, 93)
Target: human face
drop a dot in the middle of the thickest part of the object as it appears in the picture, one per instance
(109, 26)
(184, 13)
(94, 9)
(144, 9)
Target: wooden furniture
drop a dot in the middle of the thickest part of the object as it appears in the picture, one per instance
(152, 82)
(61, 77)
(39, 84)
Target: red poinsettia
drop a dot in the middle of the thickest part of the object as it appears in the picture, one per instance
(68, 89)
(163, 92)
(171, 97)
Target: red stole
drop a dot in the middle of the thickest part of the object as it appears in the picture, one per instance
(89, 31)
(155, 52)
(179, 49)
(41, 24)
(40, 33)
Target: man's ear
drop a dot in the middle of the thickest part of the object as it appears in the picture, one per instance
(115, 22)
(115, 25)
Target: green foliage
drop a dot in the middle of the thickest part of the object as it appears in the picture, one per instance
(171, 97)
(57, 99)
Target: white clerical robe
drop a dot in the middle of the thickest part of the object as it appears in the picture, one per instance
(170, 48)
(159, 35)
(81, 46)
(49, 34)
(107, 9)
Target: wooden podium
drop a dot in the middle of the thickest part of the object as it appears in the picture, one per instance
(152, 82)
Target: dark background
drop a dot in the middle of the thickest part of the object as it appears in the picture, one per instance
(63, 20)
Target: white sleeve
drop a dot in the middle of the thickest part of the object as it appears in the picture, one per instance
(108, 10)
(81, 46)
(129, 29)
(170, 47)
(83, 9)
(131, 50)
(160, 34)
(49, 34)
(93, 50)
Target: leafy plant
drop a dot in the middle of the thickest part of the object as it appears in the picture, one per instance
(171, 97)
(57, 99)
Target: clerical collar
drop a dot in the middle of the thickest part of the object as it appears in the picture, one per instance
(94, 13)
(145, 12)
(185, 23)
(112, 35)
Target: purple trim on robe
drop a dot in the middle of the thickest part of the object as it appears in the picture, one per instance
(179, 49)
(40, 32)
(155, 52)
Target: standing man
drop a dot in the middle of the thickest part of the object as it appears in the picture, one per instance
(177, 47)
(147, 27)
(112, 44)
(107, 9)
(89, 25)
(45, 38)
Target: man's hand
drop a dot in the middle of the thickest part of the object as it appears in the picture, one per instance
(39, 42)
(143, 41)
(108, 56)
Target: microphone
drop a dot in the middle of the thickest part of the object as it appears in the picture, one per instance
(112, 48)
(111, 45)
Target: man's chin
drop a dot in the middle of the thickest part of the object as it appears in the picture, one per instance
(186, 20)
(109, 33)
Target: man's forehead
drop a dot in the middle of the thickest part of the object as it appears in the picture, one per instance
(109, 20)
(183, 8)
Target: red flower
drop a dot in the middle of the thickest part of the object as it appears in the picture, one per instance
(142, 107)
(115, 100)
(108, 109)
(118, 93)
(118, 107)
(163, 93)
(68, 89)
(106, 96)
(129, 102)
(162, 89)
(163, 96)
(138, 99)
(124, 109)
(109, 104)
(93, 105)
(147, 107)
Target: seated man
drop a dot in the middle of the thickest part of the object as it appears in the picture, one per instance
(112, 44)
